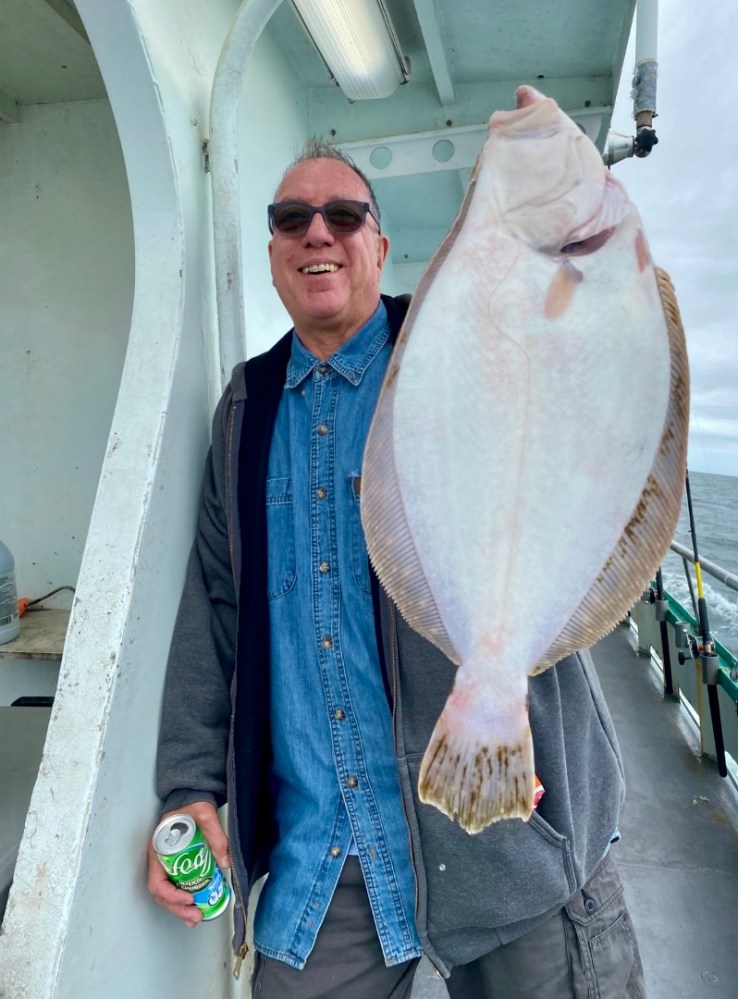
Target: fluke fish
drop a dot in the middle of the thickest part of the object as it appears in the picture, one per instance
(524, 469)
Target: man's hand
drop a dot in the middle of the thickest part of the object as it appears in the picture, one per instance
(177, 901)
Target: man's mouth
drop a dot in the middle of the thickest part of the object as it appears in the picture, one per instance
(319, 269)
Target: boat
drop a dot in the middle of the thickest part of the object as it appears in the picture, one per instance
(140, 142)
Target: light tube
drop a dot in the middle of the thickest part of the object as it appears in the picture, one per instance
(358, 43)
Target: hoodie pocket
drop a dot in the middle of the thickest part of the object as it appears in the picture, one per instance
(510, 871)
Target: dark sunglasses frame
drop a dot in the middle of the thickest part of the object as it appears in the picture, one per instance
(363, 207)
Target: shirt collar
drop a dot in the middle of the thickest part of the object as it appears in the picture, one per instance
(353, 357)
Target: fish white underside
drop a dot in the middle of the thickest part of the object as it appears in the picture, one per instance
(480, 418)
(508, 455)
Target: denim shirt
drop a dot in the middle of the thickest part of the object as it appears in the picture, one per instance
(334, 771)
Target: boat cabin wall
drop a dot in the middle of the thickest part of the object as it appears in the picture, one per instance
(110, 282)
(66, 283)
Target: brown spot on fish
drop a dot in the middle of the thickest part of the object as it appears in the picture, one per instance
(392, 374)
(643, 255)
(605, 569)
(651, 491)
(560, 292)
(666, 440)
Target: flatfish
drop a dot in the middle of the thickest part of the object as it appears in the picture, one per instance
(524, 468)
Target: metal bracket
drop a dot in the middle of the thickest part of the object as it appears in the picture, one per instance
(453, 148)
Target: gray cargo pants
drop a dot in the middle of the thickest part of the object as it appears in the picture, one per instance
(587, 950)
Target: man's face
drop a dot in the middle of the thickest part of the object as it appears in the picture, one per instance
(338, 302)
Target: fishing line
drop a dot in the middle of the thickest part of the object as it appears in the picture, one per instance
(706, 651)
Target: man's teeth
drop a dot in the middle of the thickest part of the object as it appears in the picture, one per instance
(320, 269)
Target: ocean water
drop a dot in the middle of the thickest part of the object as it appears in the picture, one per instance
(715, 505)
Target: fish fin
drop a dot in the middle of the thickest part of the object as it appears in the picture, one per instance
(390, 544)
(648, 534)
(478, 767)
(389, 540)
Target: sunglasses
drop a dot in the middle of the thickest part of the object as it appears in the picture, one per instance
(343, 218)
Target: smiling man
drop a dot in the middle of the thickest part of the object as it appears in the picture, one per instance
(328, 279)
(314, 701)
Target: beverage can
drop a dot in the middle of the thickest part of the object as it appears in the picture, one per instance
(189, 862)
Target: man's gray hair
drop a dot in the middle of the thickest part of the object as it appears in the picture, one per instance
(319, 149)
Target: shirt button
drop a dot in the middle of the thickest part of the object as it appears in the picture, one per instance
(325, 567)
(335, 851)
(339, 714)
(352, 782)
(322, 429)
(321, 492)
(327, 642)
(323, 369)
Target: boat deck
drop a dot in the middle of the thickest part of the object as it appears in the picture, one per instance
(678, 856)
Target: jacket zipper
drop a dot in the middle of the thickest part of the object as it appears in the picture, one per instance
(395, 685)
(243, 949)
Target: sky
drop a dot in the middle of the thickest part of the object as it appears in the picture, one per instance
(687, 194)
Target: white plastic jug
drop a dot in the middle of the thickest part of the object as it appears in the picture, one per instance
(10, 625)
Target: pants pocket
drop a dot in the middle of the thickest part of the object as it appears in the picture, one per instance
(604, 944)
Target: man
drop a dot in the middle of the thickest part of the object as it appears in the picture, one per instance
(315, 702)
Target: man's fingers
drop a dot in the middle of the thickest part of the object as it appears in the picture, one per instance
(206, 816)
(180, 903)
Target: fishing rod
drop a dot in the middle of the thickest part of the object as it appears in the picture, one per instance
(706, 650)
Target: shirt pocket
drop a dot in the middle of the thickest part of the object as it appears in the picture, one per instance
(281, 568)
(359, 556)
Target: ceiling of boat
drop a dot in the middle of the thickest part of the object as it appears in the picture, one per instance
(467, 58)
(45, 56)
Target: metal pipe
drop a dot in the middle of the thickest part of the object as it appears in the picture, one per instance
(618, 147)
(644, 75)
(647, 30)
(712, 568)
(250, 20)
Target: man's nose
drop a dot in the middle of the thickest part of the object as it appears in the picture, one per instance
(318, 231)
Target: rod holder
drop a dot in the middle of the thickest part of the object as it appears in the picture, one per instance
(710, 668)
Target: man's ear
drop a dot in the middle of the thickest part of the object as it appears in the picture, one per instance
(382, 250)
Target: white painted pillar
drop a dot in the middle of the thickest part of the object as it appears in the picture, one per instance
(79, 921)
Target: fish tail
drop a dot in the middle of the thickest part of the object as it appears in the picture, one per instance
(478, 767)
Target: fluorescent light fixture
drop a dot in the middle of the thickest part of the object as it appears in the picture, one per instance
(358, 43)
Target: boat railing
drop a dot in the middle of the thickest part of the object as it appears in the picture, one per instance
(712, 568)
(671, 636)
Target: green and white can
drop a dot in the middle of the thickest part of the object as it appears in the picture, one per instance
(189, 863)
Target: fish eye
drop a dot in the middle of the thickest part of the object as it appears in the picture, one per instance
(581, 247)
